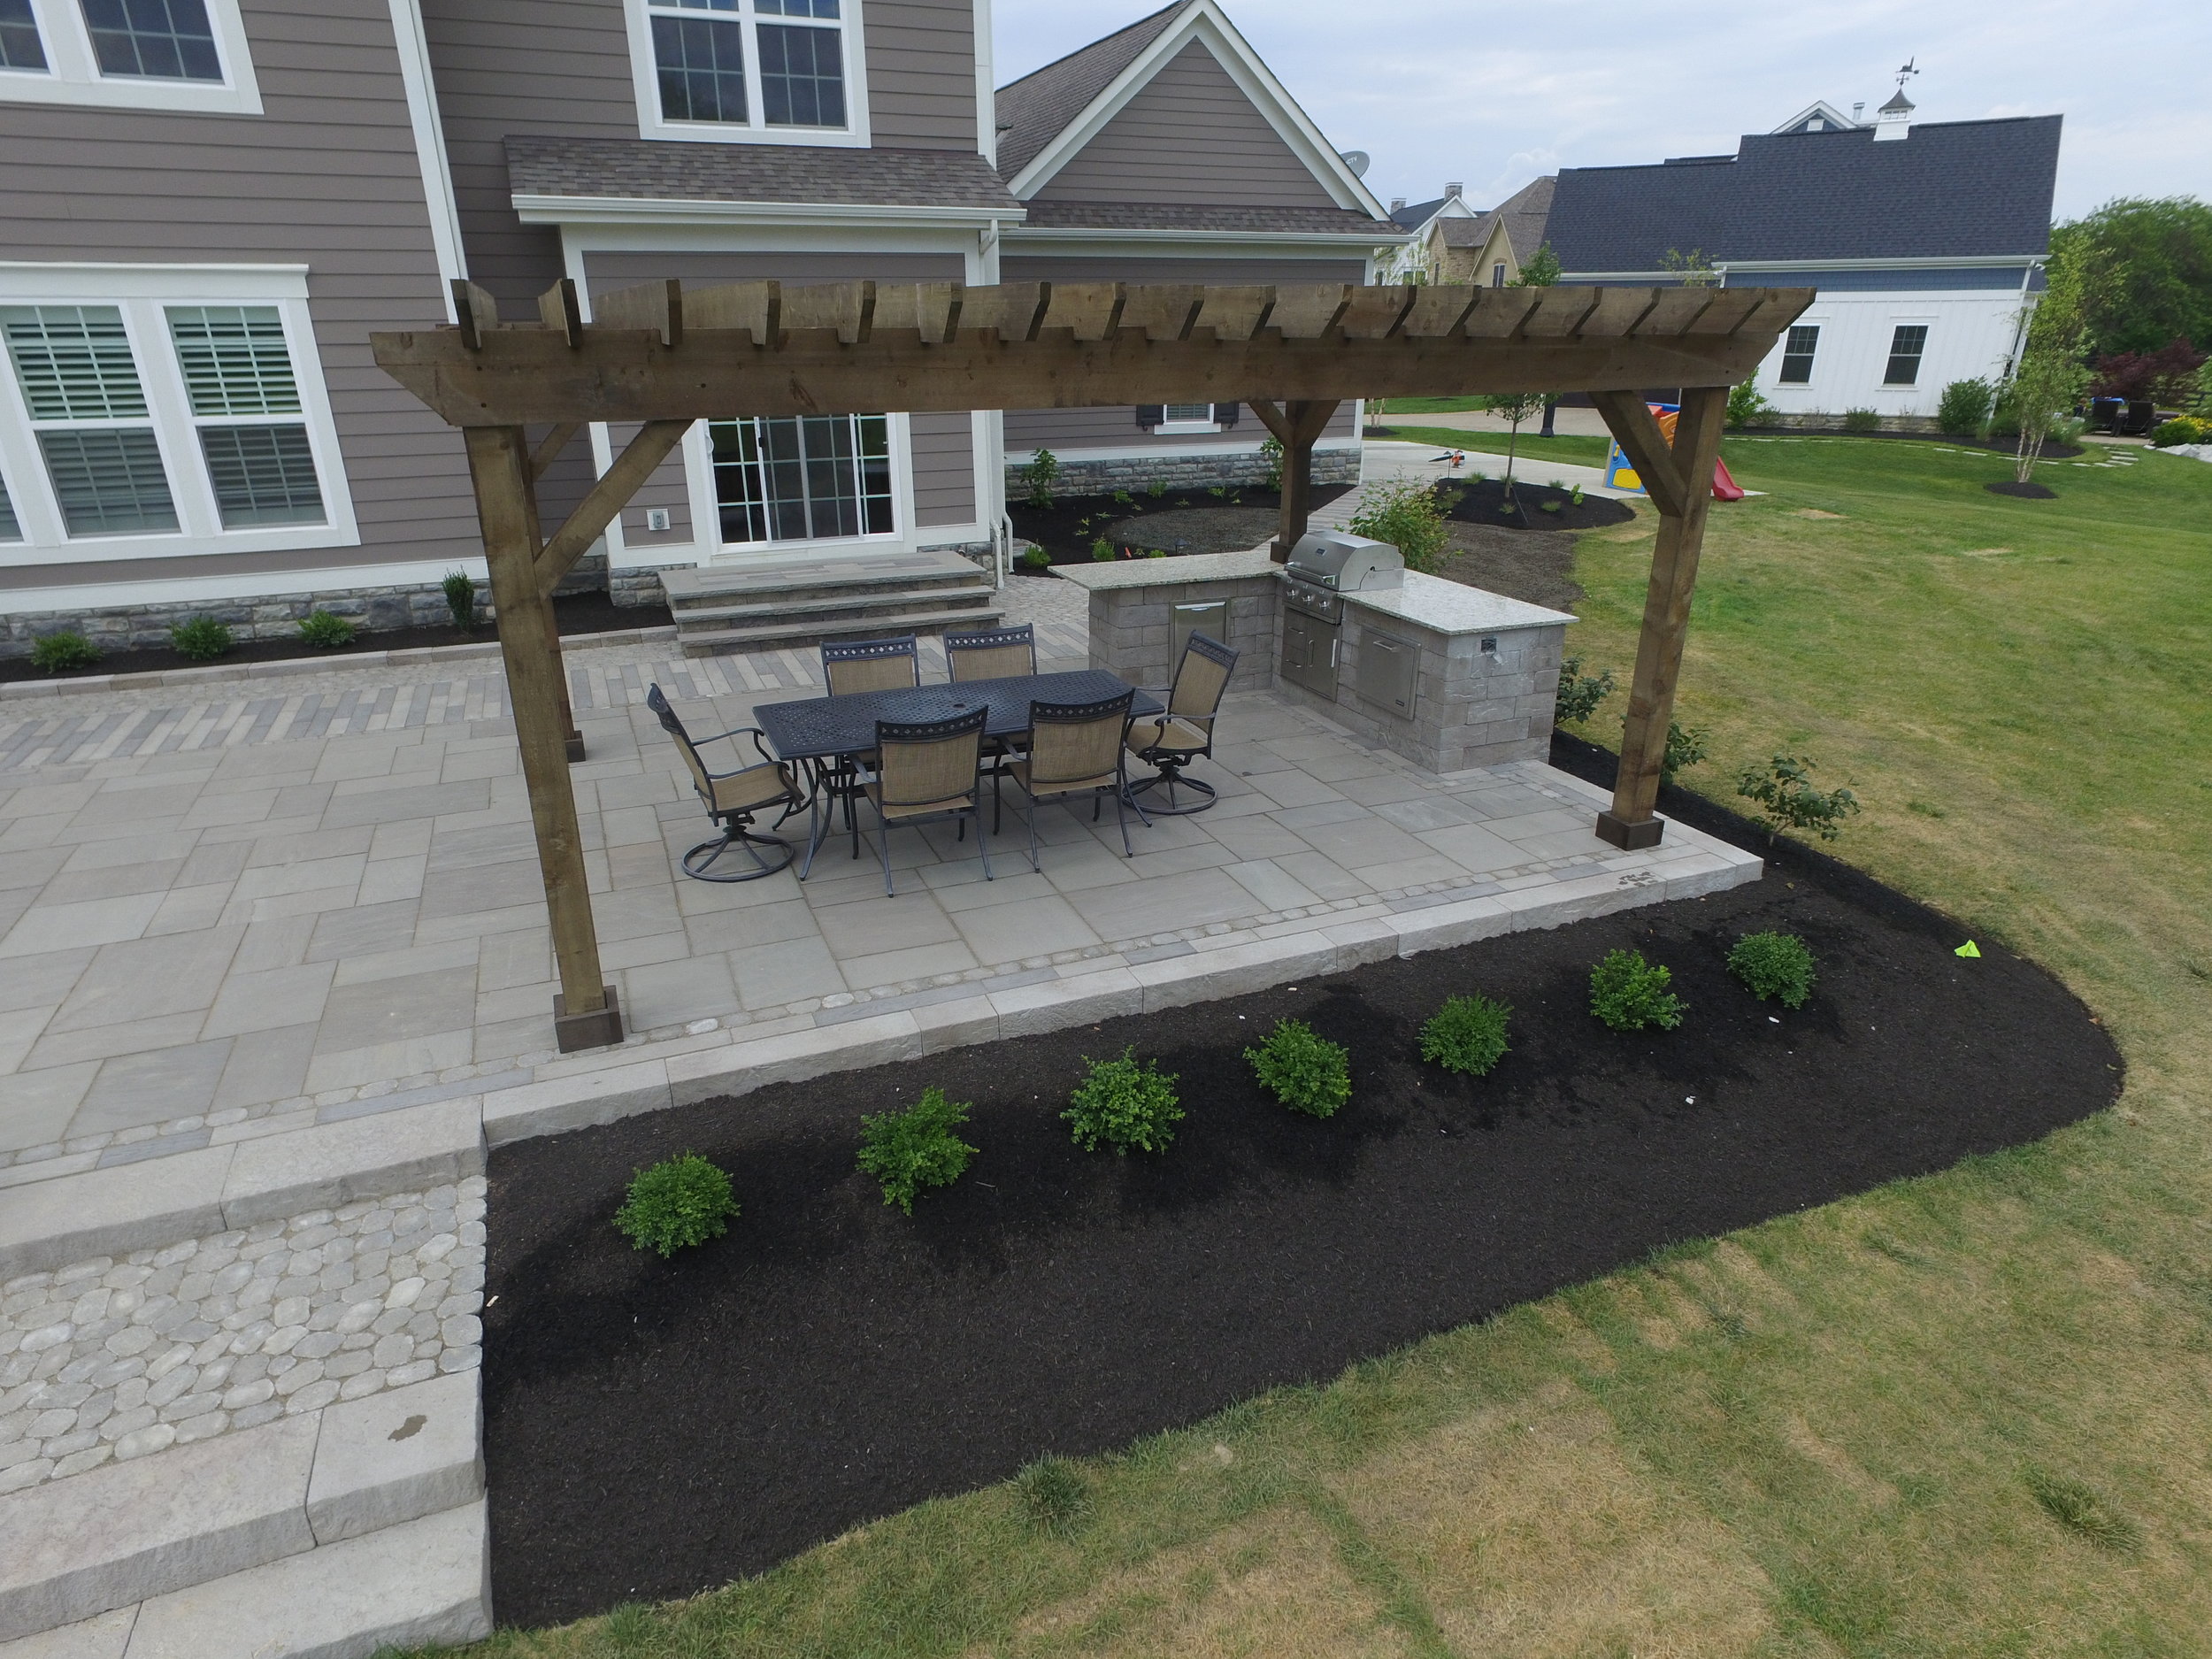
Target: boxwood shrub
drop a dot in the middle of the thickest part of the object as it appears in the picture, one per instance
(1124, 1103)
(912, 1150)
(1302, 1069)
(1467, 1034)
(1772, 964)
(1629, 994)
(678, 1202)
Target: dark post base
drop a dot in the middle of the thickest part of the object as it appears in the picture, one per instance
(1279, 550)
(1629, 837)
(575, 747)
(597, 1029)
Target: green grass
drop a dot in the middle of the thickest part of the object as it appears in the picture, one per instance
(1574, 449)
(1968, 1415)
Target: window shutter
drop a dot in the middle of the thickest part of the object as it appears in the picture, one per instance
(1151, 415)
(1225, 415)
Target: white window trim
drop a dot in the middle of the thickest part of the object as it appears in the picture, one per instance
(1182, 428)
(645, 80)
(1908, 319)
(706, 511)
(1782, 351)
(143, 293)
(72, 74)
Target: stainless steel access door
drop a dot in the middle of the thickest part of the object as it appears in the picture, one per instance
(1310, 648)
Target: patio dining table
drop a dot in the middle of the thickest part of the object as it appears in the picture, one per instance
(818, 731)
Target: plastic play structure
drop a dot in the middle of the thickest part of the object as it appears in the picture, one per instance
(1620, 475)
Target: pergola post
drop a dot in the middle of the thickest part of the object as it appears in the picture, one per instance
(1296, 425)
(1679, 481)
(585, 1013)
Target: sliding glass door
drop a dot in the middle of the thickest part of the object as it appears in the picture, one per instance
(815, 478)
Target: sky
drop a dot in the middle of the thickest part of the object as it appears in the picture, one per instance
(1494, 95)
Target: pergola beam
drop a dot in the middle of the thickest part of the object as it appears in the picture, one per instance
(663, 358)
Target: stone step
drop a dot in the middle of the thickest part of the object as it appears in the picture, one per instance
(861, 604)
(161, 1524)
(816, 578)
(803, 633)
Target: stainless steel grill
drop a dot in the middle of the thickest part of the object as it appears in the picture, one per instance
(1344, 563)
(1323, 567)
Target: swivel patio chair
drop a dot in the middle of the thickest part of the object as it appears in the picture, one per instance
(1184, 732)
(928, 771)
(1077, 748)
(732, 799)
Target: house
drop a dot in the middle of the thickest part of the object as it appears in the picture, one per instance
(1488, 250)
(1926, 240)
(210, 204)
(1408, 261)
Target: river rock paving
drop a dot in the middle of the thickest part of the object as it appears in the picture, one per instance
(107, 1359)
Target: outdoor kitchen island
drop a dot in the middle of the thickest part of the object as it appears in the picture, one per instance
(1451, 677)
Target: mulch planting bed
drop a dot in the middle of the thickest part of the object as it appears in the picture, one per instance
(1536, 506)
(576, 613)
(656, 1427)
(1242, 516)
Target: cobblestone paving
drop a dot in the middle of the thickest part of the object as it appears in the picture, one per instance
(105, 1359)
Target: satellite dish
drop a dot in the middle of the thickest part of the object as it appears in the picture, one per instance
(1358, 160)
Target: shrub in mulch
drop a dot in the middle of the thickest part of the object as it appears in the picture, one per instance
(1537, 506)
(654, 1428)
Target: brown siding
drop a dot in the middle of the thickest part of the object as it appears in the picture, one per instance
(943, 448)
(1067, 431)
(327, 177)
(557, 67)
(1191, 135)
(921, 73)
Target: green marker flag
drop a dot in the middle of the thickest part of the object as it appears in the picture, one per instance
(1967, 949)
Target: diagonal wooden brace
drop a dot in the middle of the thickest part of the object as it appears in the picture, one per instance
(608, 497)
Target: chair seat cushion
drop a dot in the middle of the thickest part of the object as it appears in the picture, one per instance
(923, 808)
(755, 786)
(1164, 733)
(1019, 771)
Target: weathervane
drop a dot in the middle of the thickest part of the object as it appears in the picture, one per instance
(1905, 73)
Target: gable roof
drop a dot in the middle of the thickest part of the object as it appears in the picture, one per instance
(1053, 114)
(1820, 111)
(1525, 214)
(1041, 105)
(1417, 214)
(1951, 189)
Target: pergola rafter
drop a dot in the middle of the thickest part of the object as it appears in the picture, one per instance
(663, 356)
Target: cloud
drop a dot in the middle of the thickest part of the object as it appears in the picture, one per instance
(1436, 89)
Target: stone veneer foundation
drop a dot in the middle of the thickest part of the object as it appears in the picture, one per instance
(1180, 470)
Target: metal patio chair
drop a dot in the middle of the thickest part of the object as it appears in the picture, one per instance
(734, 798)
(860, 665)
(1171, 741)
(927, 771)
(1077, 748)
(991, 653)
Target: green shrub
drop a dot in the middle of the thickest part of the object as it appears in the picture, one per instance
(2181, 429)
(678, 1202)
(1102, 549)
(203, 639)
(1547, 506)
(1862, 420)
(1579, 693)
(326, 632)
(1403, 512)
(59, 653)
(1271, 452)
(914, 1149)
(1686, 745)
(1466, 1034)
(1628, 993)
(1037, 558)
(1778, 966)
(1126, 499)
(1302, 1069)
(1786, 799)
(1746, 407)
(1157, 488)
(1575, 496)
(1054, 1495)
(460, 599)
(1038, 478)
(1965, 408)
(1125, 1104)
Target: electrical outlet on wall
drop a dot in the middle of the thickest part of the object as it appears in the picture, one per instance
(657, 518)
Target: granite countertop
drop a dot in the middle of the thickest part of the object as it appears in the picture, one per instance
(1442, 607)
(1169, 572)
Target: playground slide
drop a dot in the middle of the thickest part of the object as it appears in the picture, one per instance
(1724, 487)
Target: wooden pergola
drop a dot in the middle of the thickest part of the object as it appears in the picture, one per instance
(661, 358)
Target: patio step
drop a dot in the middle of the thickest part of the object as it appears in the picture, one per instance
(787, 632)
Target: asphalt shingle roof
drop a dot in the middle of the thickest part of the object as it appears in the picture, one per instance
(1952, 188)
(753, 172)
(1172, 216)
(1415, 216)
(1040, 105)
(1526, 213)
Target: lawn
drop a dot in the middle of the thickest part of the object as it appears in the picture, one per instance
(1968, 1414)
(1575, 449)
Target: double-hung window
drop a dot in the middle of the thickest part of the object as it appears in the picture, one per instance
(784, 70)
(148, 54)
(1797, 355)
(813, 478)
(130, 426)
(1906, 346)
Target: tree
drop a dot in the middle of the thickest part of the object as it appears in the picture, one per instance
(2159, 257)
(2052, 376)
(1541, 271)
(1693, 268)
(1516, 407)
(2167, 376)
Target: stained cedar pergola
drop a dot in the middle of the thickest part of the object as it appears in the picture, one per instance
(663, 358)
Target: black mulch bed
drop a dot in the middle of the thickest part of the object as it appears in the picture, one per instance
(1536, 506)
(655, 1428)
(1520, 564)
(577, 613)
(2029, 491)
(1241, 516)
(2002, 446)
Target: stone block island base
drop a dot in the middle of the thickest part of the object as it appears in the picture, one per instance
(1451, 677)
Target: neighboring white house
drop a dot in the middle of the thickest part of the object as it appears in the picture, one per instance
(1410, 261)
(1927, 242)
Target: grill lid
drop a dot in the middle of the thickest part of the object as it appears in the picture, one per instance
(1345, 563)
